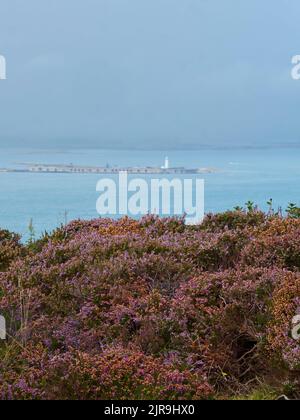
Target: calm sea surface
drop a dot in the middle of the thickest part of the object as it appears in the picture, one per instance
(47, 199)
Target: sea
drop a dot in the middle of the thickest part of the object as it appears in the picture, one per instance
(49, 200)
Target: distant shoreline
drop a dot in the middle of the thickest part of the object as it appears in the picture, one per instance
(79, 169)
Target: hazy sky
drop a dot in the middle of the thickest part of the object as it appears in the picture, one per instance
(149, 73)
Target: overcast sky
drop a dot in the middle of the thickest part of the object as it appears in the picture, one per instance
(149, 73)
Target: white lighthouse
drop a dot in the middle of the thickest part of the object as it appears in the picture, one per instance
(166, 165)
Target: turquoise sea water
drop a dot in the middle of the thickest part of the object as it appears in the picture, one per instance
(243, 174)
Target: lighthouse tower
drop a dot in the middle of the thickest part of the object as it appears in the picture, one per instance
(166, 163)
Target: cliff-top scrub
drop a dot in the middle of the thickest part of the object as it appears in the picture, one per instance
(152, 309)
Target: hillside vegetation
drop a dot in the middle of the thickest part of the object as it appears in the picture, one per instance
(153, 309)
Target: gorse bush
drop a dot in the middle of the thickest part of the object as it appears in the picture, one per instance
(293, 211)
(151, 309)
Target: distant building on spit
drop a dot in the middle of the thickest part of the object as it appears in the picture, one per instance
(107, 169)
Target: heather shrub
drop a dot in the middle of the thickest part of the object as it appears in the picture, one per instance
(233, 220)
(285, 306)
(275, 245)
(128, 309)
(10, 248)
(222, 319)
(116, 374)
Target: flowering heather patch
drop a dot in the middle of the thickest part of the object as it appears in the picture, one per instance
(277, 244)
(10, 248)
(150, 309)
(286, 304)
